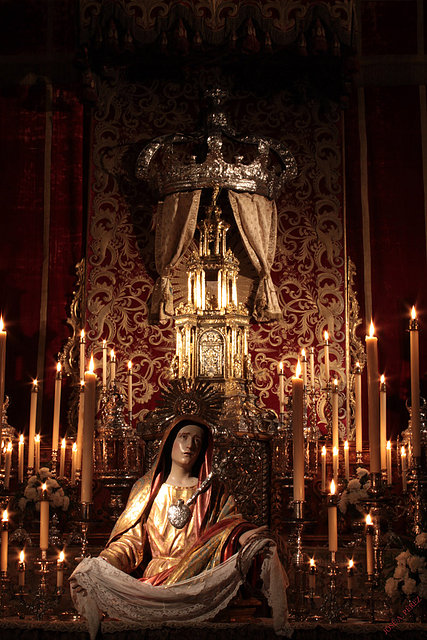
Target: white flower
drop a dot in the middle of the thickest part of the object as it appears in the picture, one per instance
(415, 563)
(423, 576)
(30, 493)
(22, 502)
(354, 497)
(391, 587)
(44, 473)
(66, 503)
(409, 586)
(421, 540)
(57, 500)
(343, 501)
(401, 572)
(353, 485)
(360, 471)
(32, 480)
(403, 557)
(51, 482)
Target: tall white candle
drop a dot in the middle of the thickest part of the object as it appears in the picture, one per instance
(326, 355)
(298, 433)
(304, 368)
(312, 380)
(281, 388)
(82, 354)
(404, 468)
(32, 429)
(332, 520)
(335, 463)
(4, 542)
(369, 545)
(2, 361)
(62, 458)
(8, 464)
(383, 422)
(73, 464)
(415, 385)
(60, 570)
(37, 452)
(323, 459)
(388, 462)
(21, 459)
(358, 408)
(57, 408)
(346, 461)
(130, 391)
(88, 433)
(104, 363)
(112, 366)
(334, 402)
(80, 424)
(21, 569)
(44, 519)
(373, 400)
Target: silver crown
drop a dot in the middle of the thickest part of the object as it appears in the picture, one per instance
(168, 166)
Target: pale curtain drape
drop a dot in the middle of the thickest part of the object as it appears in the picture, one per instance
(256, 219)
(120, 596)
(176, 223)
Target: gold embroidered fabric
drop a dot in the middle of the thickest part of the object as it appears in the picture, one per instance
(167, 544)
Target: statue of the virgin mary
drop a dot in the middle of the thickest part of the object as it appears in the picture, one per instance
(180, 550)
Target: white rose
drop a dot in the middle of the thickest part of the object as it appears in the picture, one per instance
(360, 471)
(57, 500)
(353, 485)
(403, 557)
(342, 504)
(30, 493)
(415, 563)
(421, 540)
(401, 572)
(391, 587)
(353, 497)
(66, 503)
(51, 482)
(44, 473)
(32, 480)
(22, 503)
(409, 586)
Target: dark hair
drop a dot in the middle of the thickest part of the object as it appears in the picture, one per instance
(167, 447)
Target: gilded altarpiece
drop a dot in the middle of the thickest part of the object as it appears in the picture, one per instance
(309, 266)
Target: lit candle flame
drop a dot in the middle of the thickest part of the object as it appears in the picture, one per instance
(112, 355)
(369, 520)
(82, 334)
(104, 344)
(22, 556)
(336, 383)
(298, 370)
(326, 336)
(357, 365)
(61, 556)
(388, 444)
(346, 444)
(91, 364)
(382, 379)
(371, 330)
(82, 383)
(323, 450)
(351, 563)
(37, 438)
(74, 447)
(35, 382)
(44, 487)
(1, 323)
(312, 563)
(413, 313)
(402, 451)
(9, 446)
(332, 491)
(281, 366)
(130, 365)
(5, 516)
(58, 367)
(21, 439)
(303, 353)
(335, 451)
(63, 443)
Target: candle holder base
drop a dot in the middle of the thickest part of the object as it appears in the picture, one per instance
(86, 512)
(5, 594)
(330, 610)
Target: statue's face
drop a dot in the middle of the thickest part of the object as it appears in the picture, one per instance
(187, 446)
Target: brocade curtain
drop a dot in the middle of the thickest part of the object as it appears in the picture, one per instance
(176, 224)
(256, 219)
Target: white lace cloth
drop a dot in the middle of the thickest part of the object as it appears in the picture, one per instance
(111, 591)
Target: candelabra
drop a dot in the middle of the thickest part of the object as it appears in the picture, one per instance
(85, 519)
(40, 605)
(295, 539)
(417, 506)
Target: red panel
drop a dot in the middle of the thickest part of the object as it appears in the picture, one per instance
(389, 27)
(397, 233)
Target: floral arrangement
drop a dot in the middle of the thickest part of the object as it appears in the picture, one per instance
(33, 491)
(410, 574)
(355, 492)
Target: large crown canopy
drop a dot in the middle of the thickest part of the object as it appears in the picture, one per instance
(185, 162)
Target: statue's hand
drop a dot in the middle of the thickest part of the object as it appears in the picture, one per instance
(76, 587)
(245, 537)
